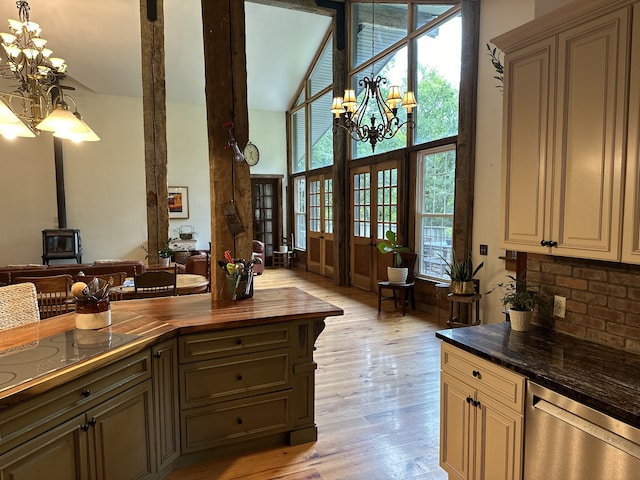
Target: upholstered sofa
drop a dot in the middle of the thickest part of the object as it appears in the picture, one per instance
(130, 267)
(197, 264)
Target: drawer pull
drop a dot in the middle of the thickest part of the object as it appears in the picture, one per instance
(476, 373)
(86, 393)
(239, 421)
(239, 377)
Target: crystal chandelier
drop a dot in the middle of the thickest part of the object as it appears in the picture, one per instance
(352, 117)
(37, 103)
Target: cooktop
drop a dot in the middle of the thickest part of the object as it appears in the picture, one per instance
(26, 362)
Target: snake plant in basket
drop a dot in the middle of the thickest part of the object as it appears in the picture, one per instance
(461, 273)
(395, 273)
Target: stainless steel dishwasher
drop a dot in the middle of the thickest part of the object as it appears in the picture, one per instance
(566, 440)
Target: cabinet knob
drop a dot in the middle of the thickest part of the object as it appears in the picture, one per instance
(84, 427)
(86, 393)
(239, 377)
(544, 243)
(469, 399)
(476, 403)
(238, 341)
(157, 354)
(93, 421)
(476, 373)
(553, 243)
(239, 421)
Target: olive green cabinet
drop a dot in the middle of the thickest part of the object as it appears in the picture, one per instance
(165, 393)
(242, 384)
(97, 427)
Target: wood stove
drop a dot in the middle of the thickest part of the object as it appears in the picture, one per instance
(61, 244)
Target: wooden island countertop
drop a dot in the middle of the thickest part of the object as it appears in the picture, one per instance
(155, 320)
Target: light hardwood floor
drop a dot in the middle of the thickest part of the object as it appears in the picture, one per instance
(377, 396)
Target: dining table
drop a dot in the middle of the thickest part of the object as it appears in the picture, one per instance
(186, 284)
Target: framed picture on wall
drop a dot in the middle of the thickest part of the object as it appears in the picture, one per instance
(178, 202)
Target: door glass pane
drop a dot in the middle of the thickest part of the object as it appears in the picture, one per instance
(328, 205)
(387, 201)
(361, 206)
(314, 206)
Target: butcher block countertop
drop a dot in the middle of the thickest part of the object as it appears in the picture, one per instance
(155, 320)
(604, 378)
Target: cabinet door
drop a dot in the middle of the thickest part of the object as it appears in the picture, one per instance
(498, 441)
(165, 401)
(60, 453)
(590, 126)
(455, 425)
(527, 146)
(122, 435)
(631, 230)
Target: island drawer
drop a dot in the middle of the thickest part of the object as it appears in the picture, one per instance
(203, 346)
(234, 421)
(38, 414)
(497, 382)
(210, 381)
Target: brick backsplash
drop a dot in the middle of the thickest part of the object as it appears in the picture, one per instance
(603, 299)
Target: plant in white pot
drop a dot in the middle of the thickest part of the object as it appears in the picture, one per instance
(396, 273)
(461, 273)
(520, 300)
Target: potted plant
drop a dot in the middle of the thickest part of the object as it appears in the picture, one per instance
(520, 300)
(461, 273)
(165, 253)
(396, 273)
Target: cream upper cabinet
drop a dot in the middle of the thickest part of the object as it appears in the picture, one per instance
(564, 128)
(631, 231)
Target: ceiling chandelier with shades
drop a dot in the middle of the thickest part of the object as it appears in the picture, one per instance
(37, 102)
(381, 115)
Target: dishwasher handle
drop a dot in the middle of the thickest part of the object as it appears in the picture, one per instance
(590, 428)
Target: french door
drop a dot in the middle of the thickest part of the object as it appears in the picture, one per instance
(374, 206)
(267, 213)
(320, 232)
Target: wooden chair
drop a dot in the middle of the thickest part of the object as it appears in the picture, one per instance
(155, 283)
(18, 305)
(117, 278)
(405, 290)
(54, 293)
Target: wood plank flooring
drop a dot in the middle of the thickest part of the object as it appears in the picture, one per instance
(377, 396)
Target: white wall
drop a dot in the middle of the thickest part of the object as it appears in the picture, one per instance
(188, 166)
(267, 130)
(497, 17)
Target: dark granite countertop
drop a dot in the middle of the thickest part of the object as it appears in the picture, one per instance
(601, 377)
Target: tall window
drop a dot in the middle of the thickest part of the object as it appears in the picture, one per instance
(434, 209)
(382, 39)
(300, 212)
(311, 127)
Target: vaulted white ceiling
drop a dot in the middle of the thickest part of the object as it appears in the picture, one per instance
(100, 41)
